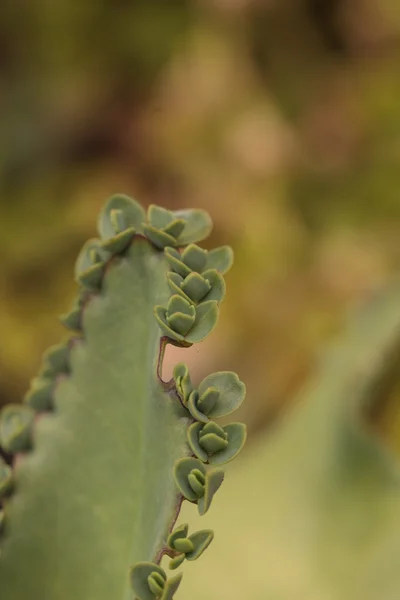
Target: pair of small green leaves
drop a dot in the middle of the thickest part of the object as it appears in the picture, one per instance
(196, 482)
(119, 221)
(167, 228)
(149, 582)
(180, 320)
(73, 319)
(56, 361)
(214, 444)
(188, 547)
(197, 260)
(218, 394)
(5, 479)
(122, 217)
(197, 289)
(16, 423)
(40, 394)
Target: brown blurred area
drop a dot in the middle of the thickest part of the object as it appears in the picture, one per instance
(280, 117)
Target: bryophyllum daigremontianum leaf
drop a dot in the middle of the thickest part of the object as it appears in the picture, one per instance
(104, 481)
(88, 484)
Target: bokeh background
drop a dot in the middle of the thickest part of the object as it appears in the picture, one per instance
(279, 117)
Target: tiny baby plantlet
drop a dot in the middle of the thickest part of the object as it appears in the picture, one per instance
(104, 450)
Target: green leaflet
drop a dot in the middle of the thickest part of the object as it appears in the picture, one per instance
(101, 442)
(149, 581)
(118, 222)
(16, 424)
(218, 395)
(320, 499)
(214, 444)
(188, 547)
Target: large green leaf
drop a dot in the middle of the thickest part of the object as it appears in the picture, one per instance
(97, 494)
(313, 511)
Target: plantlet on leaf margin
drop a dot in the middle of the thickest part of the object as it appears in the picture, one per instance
(101, 475)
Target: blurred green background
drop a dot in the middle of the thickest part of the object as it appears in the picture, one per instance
(280, 117)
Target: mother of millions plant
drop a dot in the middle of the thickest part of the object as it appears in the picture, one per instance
(104, 450)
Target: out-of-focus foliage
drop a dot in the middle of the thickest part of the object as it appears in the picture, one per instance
(316, 505)
(285, 112)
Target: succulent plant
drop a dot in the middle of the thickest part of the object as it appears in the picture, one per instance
(104, 450)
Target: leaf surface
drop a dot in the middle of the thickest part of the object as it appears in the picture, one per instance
(97, 494)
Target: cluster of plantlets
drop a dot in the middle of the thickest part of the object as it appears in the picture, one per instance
(104, 450)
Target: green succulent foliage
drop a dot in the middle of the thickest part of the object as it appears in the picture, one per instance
(91, 264)
(197, 483)
(16, 424)
(104, 459)
(167, 228)
(150, 582)
(197, 288)
(118, 223)
(218, 394)
(188, 547)
(73, 318)
(214, 444)
(319, 501)
(198, 260)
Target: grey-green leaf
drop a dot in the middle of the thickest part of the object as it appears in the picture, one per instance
(171, 587)
(206, 319)
(16, 421)
(159, 217)
(40, 394)
(214, 479)
(159, 238)
(133, 215)
(177, 265)
(176, 561)
(200, 540)
(220, 259)
(237, 434)
(182, 381)
(182, 470)
(139, 579)
(198, 225)
(161, 317)
(90, 264)
(179, 532)
(232, 392)
(217, 283)
(56, 360)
